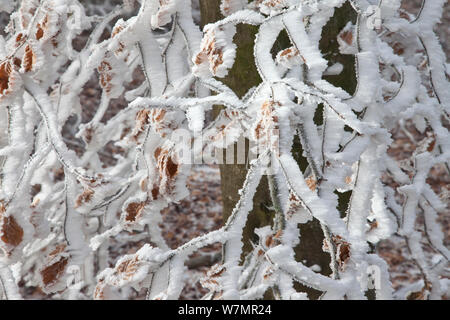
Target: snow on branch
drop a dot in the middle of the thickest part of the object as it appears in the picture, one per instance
(61, 210)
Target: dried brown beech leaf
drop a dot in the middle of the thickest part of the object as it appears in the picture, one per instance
(106, 75)
(294, 205)
(289, 52)
(160, 122)
(20, 39)
(228, 120)
(311, 183)
(54, 268)
(420, 295)
(290, 56)
(133, 210)
(168, 170)
(231, 114)
(155, 193)
(115, 31)
(42, 27)
(39, 32)
(9, 79)
(157, 115)
(11, 232)
(211, 52)
(111, 75)
(269, 241)
(127, 268)
(347, 36)
(266, 129)
(212, 279)
(343, 254)
(432, 143)
(53, 272)
(267, 118)
(29, 59)
(99, 291)
(5, 72)
(142, 120)
(17, 62)
(342, 250)
(86, 196)
(273, 240)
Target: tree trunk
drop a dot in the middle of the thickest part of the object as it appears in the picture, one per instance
(242, 77)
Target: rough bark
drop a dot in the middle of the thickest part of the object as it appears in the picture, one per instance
(240, 79)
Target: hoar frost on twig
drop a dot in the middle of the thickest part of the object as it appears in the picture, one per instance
(70, 221)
